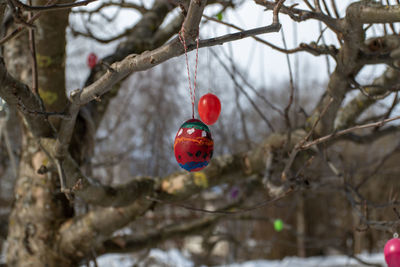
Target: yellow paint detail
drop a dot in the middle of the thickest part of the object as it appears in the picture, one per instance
(43, 61)
(48, 97)
(200, 179)
(201, 141)
(360, 103)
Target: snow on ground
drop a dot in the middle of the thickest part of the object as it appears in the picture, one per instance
(176, 258)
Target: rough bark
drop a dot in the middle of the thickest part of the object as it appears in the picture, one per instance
(39, 206)
(36, 214)
(348, 114)
(50, 54)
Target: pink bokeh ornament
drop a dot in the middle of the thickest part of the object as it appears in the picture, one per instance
(392, 252)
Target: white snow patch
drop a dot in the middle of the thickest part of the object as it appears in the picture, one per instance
(177, 258)
(328, 261)
(173, 257)
(115, 260)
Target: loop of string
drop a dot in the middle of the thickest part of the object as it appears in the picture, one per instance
(191, 91)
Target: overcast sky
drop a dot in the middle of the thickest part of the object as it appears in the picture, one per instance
(262, 64)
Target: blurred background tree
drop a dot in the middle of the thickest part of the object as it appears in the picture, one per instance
(90, 171)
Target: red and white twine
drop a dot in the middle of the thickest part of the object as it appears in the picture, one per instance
(191, 91)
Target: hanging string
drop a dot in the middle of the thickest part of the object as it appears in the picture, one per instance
(192, 92)
(209, 70)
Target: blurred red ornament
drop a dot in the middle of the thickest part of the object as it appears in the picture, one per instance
(92, 60)
(193, 145)
(392, 252)
(209, 108)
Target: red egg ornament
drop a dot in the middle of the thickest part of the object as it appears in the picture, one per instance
(92, 60)
(209, 108)
(193, 145)
(392, 252)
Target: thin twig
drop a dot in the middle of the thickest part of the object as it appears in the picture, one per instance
(17, 14)
(326, 8)
(253, 89)
(32, 48)
(94, 256)
(339, 133)
(363, 90)
(287, 109)
(317, 6)
(51, 7)
(18, 30)
(309, 5)
(390, 110)
(381, 162)
(302, 15)
(258, 39)
(391, 25)
(227, 212)
(335, 10)
(328, 65)
(46, 114)
(277, 8)
(63, 179)
(298, 146)
(254, 105)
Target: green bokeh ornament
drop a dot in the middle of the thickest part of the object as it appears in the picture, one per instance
(278, 225)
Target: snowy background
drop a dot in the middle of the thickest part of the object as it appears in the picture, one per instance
(176, 258)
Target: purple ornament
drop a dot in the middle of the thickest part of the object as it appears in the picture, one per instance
(234, 192)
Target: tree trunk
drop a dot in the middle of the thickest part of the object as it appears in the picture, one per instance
(300, 227)
(36, 214)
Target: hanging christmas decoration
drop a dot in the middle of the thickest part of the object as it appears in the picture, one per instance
(234, 192)
(193, 145)
(392, 251)
(209, 108)
(278, 225)
(92, 60)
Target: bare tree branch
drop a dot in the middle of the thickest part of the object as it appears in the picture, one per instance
(95, 227)
(15, 92)
(302, 15)
(51, 7)
(349, 113)
(124, 244)
(122, 4)
(342, 132)
(132, 63)
(312, 48)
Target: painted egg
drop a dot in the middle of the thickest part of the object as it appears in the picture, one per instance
(193, 145)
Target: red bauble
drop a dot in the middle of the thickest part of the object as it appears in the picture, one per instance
(193, 145)
(209, 108)
(392, 252)
(92, 60)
